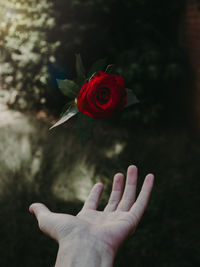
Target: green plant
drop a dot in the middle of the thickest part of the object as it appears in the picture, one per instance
(26, 50)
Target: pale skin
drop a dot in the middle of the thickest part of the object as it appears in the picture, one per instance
(92, 238)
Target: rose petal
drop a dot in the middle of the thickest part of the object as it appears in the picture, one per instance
(89, 102)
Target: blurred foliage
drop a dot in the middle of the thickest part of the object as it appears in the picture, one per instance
(39, 40)
(26, 50)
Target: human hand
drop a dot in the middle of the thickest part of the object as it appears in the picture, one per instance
(109, 227)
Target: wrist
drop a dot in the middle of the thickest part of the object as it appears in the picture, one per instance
(83, 250)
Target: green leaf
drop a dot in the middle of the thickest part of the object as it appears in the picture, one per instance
(68, 87)
(66, 107)
(131, 98)
(72, 111)
(81, 73)
(98, 65)
(84, 127)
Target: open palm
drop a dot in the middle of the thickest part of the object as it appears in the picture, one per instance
(111, 226)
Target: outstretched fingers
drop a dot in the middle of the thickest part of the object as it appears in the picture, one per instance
(94, 196)
(128, 197)
(140, 205)
(116, 194)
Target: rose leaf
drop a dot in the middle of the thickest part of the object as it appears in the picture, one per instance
(131, 98)
(72, 111)
(97, 66)
(68, 87)
(66, 107)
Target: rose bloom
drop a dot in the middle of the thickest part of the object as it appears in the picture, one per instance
(102, 96)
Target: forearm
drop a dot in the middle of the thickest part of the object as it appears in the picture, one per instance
(84, 253)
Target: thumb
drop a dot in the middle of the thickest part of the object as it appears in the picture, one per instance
(37, 209)
(43, 216)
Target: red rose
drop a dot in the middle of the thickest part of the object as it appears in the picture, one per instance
(102, 96)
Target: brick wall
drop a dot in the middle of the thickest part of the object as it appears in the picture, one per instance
(190, 39)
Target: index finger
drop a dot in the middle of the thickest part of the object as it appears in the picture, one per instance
(94, 196)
